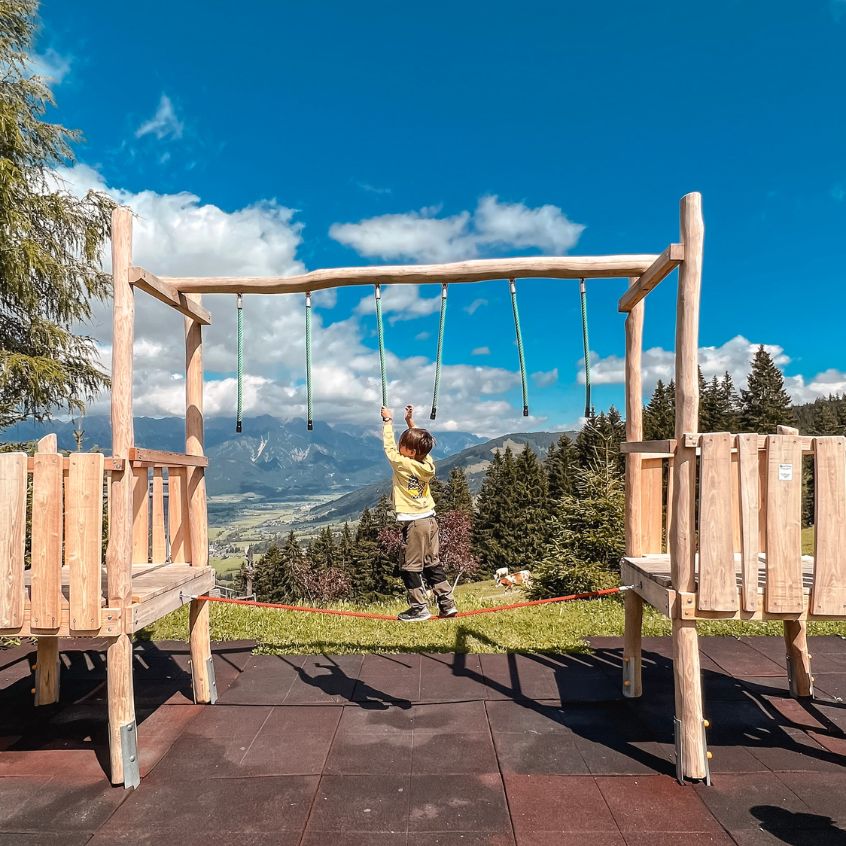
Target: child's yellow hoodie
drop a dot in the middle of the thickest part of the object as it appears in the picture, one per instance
(411, 494)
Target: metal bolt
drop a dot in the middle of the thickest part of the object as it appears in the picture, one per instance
(132, 758)
(709, 755)
(706, 723)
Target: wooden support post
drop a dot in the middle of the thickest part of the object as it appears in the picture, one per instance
(201, 666)
(682, 544)
(796, 638)
(632, 686)
(47, 657)
(119, 550)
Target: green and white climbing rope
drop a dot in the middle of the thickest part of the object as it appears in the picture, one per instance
(583, 299)
(439, 353)
(308, 361)
(520, 348)
(240, 400)
(381, 333)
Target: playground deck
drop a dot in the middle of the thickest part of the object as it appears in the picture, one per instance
(447, 749)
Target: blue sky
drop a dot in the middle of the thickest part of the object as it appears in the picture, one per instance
(605, 113)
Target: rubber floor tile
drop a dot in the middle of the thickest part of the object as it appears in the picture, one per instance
(570, 838)
(836, 744)
(671, 838)
(655, 803)
(360, 803)
(540, 718)
(735, 800)
(160, 730)
(453, 753)
(398, 688)
(388, 663)
(793, 749)
(557, 803)
(509, 677)
(210, 805)
(45, 804)
(616, 754)
(450, 716)
(458, 802)
(197, 838)
(355, 838)
(464, 838)
(74, 763)
(532, 753)
(739, 659)
(731, 758)
(823, 793)
(831, 684)
(355, 753)
(382, 718)
(44, 838)
(832, 836)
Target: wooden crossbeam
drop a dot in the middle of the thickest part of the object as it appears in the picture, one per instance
(160, 458)
(671, 258)
(479, 270)
(166, 293)
(663, 448)
(109, 464)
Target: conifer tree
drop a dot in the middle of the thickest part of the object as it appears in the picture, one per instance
(346, 550)
(559, 463)
(587, 536)
(825, 419)
(728, 403)
(457, 495)
(487, 514)
(600, 438)
(765, 404)
(530, 516)
(659, 416)
(50, 245)
(322, 551)
(275, 578)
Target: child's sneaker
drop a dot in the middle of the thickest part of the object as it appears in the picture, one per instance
(415, 614)
(448, 610)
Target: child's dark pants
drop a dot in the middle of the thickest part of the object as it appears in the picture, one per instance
(422, 565)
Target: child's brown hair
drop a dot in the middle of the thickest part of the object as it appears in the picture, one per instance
(418, 441)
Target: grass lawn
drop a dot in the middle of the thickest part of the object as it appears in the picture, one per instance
(546, 628)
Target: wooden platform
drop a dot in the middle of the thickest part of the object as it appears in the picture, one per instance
(650, 574)
(157, 589)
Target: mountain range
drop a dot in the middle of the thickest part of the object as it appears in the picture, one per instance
(272, 458)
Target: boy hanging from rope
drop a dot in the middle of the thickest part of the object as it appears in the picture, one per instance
(413, 470)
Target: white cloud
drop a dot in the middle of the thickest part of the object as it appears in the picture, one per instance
(178, 234)
(50, 65)
(421, 236)
(164, 124)
(733, 357)
(475, 305)
(481, 351)
(543, 379)
(422, 336)
(401, 302)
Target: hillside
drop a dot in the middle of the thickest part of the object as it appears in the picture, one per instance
(272, 458)
(474, 461)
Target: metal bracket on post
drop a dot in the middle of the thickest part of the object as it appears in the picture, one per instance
(212, 681)
(129, 754)
(707, 754)
(678, 736)
(790, 685)
(629, 673)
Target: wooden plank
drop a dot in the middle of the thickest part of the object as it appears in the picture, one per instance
(717, 584)
(109, 464)
(828, 594)
(660, 597)
(159, 553)
(140, 516)
(177, 509)
(84, 538)
(662, 448)
(47, 519)
(477, 270)
(691, 439)
(668, 507)
(194, 581)
(634, 430)
(162, 458)
(735, 500)
(783, 592)
(748, 483)
(110, 626)
(167, 294)
(659, 270)
(763, 471)
(652, 508)
(12, 538)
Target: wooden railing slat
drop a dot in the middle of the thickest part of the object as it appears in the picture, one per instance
(177, 506)
(651, 486)
(717, 582)
(13, 478)
(828, 594)
(84, 538)
(748, 484)
(47, 524)
(159, 554)
(783, 593)
(140, 516)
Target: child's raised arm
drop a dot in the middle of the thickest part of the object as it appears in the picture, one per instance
(409, 416)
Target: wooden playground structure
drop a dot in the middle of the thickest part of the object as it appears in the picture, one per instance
(712, 520)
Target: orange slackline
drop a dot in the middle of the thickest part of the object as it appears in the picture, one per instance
(338, 613)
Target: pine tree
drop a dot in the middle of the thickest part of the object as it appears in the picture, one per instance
(322, 551)
(659, 416)
(728, 403)
(559, 463)
(587, 536)
(487, 514)
(825, 418)
(709, 415)
(531, 510)
(50, 245)
(275, 578)
(599, 439)
(346, 550)
(765, 404)
(457, 495)
(366, 548)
